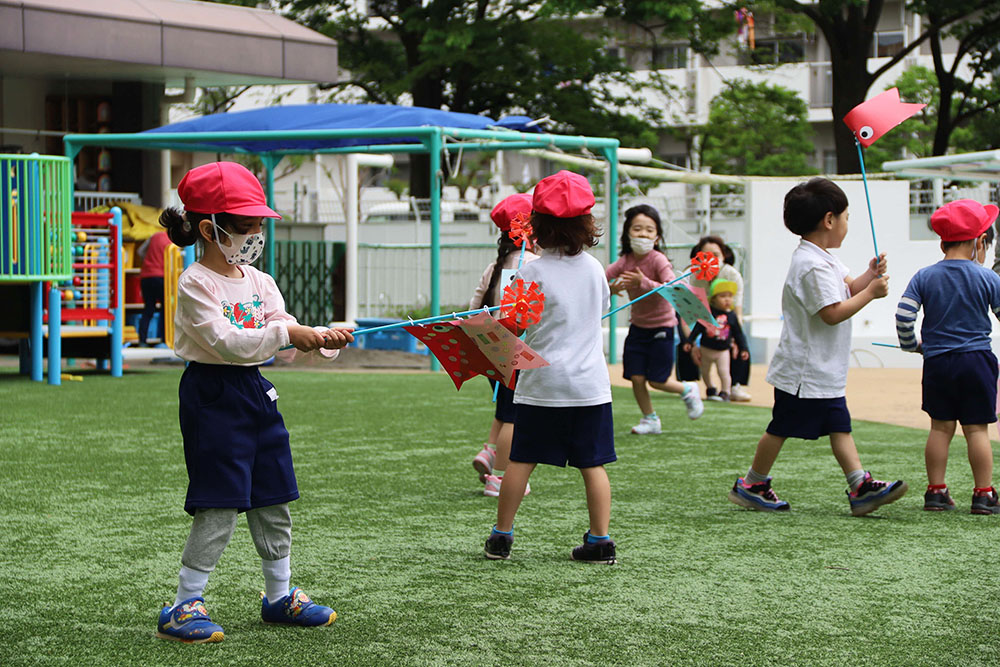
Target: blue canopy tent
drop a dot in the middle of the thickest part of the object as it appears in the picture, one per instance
(274, 132)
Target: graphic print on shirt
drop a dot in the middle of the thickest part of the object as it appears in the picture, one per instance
(246, 315)
(722, 331)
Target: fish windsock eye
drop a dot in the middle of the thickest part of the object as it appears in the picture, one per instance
(866, 132)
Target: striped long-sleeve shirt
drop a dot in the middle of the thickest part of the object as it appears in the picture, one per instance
(957, 296)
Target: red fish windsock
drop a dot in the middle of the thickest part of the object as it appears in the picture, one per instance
(873, 118)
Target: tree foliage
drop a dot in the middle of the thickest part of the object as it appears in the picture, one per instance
(849, 28)
(757, 129)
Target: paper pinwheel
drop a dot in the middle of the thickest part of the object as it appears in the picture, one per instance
(479, 345)
(705, 266)
(522, 305)
(871, 119)
(520, 231)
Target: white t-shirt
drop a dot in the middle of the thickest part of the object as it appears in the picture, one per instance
(568, 335)
(812, 356)
(238, 321)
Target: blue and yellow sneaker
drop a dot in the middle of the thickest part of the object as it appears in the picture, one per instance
(873, 493)
(188, 622)
(295, 609)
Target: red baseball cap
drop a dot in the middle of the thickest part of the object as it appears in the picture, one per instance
(563, 195)
(963, 219)
(510, 208)
(224, 187)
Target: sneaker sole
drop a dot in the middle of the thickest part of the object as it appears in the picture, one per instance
(496, 556)
(606, 561)
(634, 432)
(987, 510)
(938, 508)
(215, 637)
(751, 505)
(329, 621)
(891, 497)
(482, 469)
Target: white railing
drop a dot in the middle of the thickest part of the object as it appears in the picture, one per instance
(85, 200)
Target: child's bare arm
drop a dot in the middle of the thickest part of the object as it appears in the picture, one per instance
(835, 313)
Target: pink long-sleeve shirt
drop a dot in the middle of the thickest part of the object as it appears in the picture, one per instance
(653, 311)
(237, 321)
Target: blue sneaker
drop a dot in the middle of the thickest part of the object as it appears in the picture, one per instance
(758, 496)
(188, 622)
(873, 493)
(296, 609)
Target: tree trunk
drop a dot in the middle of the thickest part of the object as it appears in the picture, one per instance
(427, 92)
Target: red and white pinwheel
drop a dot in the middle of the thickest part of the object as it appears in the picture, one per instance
(522, 304)
(520, 230)
(705, 266)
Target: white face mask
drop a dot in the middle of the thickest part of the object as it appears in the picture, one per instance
(641, 245)
(242, 248)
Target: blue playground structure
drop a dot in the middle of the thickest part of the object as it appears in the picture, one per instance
(73, 258)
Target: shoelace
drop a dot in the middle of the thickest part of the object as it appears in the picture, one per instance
(767, 492)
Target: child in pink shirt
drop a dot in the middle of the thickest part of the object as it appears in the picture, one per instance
(648, 357)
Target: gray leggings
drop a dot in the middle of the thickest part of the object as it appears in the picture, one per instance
(270, 528)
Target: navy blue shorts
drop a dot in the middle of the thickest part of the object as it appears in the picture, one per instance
(505, 403)
(961, 386)
(235, 442)
(582, 436)
(808, 418)
(648, 352)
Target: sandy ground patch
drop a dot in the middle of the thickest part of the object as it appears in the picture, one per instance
(887, 395)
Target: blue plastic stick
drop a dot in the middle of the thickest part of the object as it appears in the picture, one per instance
(649, 293)
(886, 345)
(868, 199)
(407, 323)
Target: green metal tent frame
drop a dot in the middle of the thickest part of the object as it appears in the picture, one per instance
(433, 141)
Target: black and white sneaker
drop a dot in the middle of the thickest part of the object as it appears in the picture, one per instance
(986, 503)
(595, 552)
(498, 546)
(938, 501)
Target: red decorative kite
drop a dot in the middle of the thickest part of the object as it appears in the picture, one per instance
(873, 118)
(479, 345)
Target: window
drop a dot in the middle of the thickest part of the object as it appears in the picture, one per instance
(888, 44)
(672, 56)
(615, 52)
(679, 159)
(776, 52)
(820, 85)
(829, 161)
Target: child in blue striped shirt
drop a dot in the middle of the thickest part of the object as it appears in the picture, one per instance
(960, 371)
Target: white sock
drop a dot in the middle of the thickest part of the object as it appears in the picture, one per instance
(191, 584)
(277, 574)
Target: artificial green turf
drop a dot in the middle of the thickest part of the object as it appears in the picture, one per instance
(390, 527)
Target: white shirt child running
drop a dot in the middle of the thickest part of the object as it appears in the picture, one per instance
(812, 356)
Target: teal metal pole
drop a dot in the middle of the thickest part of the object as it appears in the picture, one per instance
(868, 199)
(611, 154)
(55, 336)
(117, 324)
(269, 164)
(434, 148)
